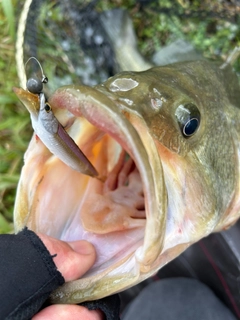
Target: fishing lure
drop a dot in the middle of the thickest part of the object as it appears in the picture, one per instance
(51, 132)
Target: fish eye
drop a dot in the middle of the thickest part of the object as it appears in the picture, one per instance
(34, 85)
(47, 108)
(188, 117)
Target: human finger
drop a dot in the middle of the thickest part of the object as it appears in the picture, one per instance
(72, 259)
(66, 312)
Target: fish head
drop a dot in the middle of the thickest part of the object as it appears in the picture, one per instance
(166, 145)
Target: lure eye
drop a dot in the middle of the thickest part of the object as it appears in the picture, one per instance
(47, 108)
(188, 117)
(34, 85)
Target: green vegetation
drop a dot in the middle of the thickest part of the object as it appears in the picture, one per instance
(208, 25)
(14, 122)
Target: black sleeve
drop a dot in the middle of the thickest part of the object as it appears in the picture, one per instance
(109, 305)
(27, 275)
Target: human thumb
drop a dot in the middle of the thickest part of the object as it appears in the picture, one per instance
(72, 259)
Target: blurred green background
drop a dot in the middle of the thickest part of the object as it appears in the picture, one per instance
(211, 26)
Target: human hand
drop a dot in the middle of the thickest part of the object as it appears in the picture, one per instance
(73, 260)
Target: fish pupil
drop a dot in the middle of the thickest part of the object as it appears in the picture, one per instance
(190, 127)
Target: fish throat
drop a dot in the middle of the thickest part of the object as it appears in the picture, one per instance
(115, 200)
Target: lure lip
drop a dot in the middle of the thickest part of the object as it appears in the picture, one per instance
(29, 100)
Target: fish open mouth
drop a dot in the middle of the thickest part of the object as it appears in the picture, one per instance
(120, 212)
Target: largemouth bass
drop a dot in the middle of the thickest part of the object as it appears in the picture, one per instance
(166, 144)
